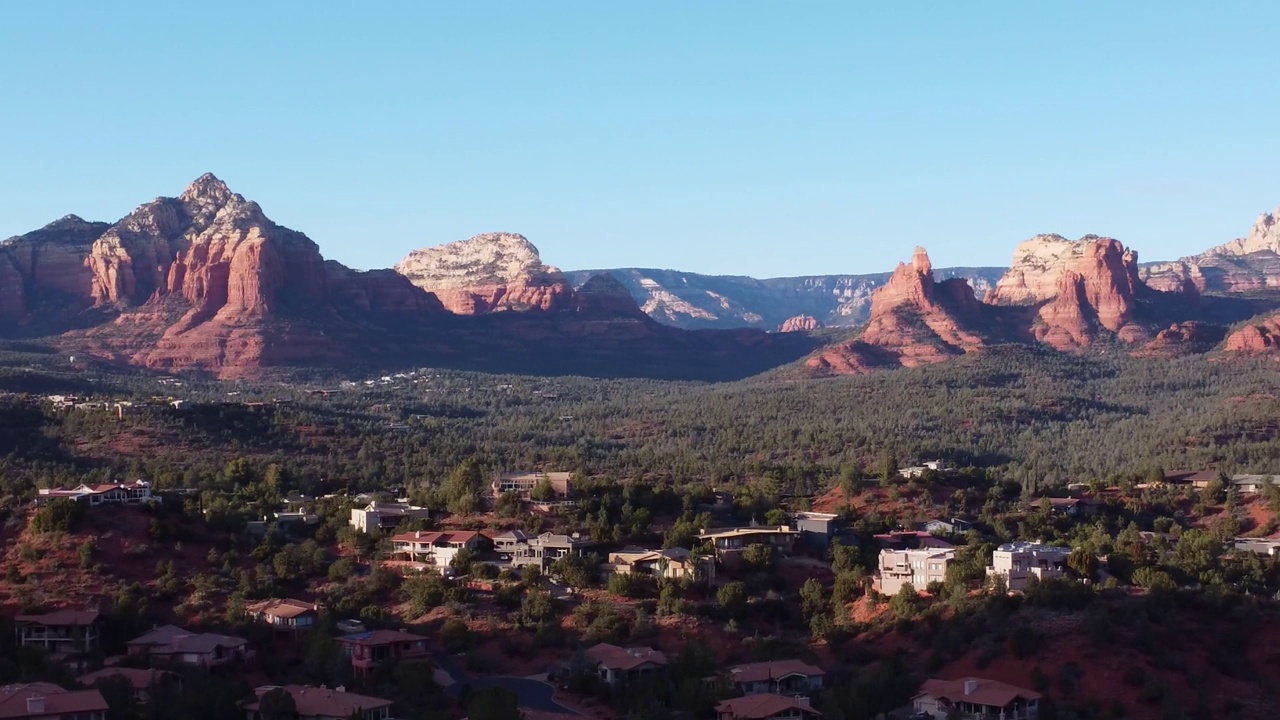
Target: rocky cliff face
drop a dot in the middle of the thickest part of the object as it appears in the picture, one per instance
(1097, 290)
(1244, 264)
(487, 273)
(1040, 263)
(44, 271)
(1259, 336)
(800, 323)
(915, 320)
(1185, 338)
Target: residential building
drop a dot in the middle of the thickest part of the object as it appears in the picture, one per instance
(287, 614)
(434, 548)
(62, 633)
(172, 645)
(954, 526)
(779, 677)
(523, 483)
(378, 515)
(506, 543)
(138, 491)
(1261, 546)
(767, 706)
(549, 547)
(976, 699)
(368, 650)
(916, 471)
(912, 540)
(669, 564)
(732, 541)
(818, 530)
(1253, 483)
(142, 680)
(46, 701)
(919, 567)
(318, 703)
(614, 664)
(1018, 562)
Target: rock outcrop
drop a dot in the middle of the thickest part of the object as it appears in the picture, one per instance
(43, 280)
(487, 273)
(1256, 337)
(800, 323)
(1185, 338)
(914, 321)
(1097, 290)
(1242, 265)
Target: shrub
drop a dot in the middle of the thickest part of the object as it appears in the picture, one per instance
(59, 515)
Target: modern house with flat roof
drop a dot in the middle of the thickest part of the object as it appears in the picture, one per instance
(379, 515)
(918, 567)
(1018, 562)
(549, 547)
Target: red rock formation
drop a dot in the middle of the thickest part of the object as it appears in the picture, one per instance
(1182, 339)
(491, 272)
(604, 297)
(43, 280)
(1097, 291)
(800, 323)
(1256, 337)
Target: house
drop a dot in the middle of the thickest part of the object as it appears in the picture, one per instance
(285, 614)
(378, 515)
(506, 543)
(1261, 546)
(319, 703)
(62, 633)
(954, 526)
(974, 698)
(919, 566)
(549, 547)
(142, 680)
(615, 665)
(138, 491)
(1202, 479)
(1252, 483)
(1018, 562)
(435, 548)
(912, 540)
(172, 645)
(732, 541)
(669, 564)
(522, 484)
(767, 706)
(818, 530)
(779, 677)
(46, 701)
(368, 650)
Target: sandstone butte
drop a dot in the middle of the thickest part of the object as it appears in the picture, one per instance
(1097, 290)
(1256, 337)
(800, 323)
(1244, 264)
(490, 272)
(1183, 338)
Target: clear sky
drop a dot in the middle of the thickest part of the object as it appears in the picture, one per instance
(764, 138)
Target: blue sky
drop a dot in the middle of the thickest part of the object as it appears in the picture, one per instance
(763, 138)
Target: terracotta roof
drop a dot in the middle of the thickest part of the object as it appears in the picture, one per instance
(764, 705)
(460, 536)
(774, 670)
(57, 702)
(616, 658)
(286, 608)
(985, 692)
(61, 617)
(162, 635)
(380, 637)
(325, 702)
(139, 678)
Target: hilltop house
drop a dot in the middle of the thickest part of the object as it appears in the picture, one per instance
(1018, 562)
(732, 541)
(142, 680)
(172, 645)
(368, 650)
(138, 491)
(549, 547)
(379, 515)
(912, 540)
(522, 484)
(318, 703)
(505, 544)
(287, 614)
(670, 564)
(46, 701)
(954, 526)
(779, 677)
(1253, 483)
(767, 706)
(614, 664)
(64, 634)
(435, 548)
(919, 567)
(974, 698)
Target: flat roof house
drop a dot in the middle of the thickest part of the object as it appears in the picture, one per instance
(615, 664)
(379, 515)
(1253, 483)
(918, 567)
(670, 563)
(779, 677)
(286, 614)
(46, 701)
(315, 703)
(549, 547)
(976, 698)
(1018, 562)
(767, 706)
(368, 650)
(523, 483)
(729, 541)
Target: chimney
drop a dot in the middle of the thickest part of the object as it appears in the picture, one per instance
(970, 687)
(35, 705)
(802, 701)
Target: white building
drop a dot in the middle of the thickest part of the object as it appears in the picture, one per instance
(138, 491)
(383, 515)
(1018, 562)
(918, 567)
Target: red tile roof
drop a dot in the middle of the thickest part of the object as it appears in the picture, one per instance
(459, 536)
(985, 692)
(57, 702)
(61, 617)
(762, 706)
(616, 658)
(282, 608)
(774, 670)
(324, 702)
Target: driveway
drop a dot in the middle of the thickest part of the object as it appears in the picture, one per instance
(530, 694)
